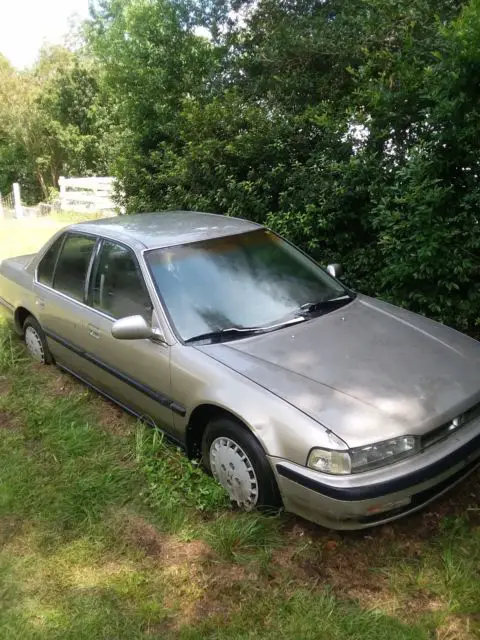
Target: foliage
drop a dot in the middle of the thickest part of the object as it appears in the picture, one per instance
(53, 121)
(349, 126)
(18, 126)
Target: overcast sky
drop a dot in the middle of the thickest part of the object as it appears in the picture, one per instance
(26, 24)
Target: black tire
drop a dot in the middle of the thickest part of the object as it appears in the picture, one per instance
(34, 326)
(268, 495)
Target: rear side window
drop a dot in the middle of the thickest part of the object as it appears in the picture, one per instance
(72, 266)
(47, 263)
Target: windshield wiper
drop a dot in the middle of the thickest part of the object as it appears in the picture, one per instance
(298, 315)
(309, 309)
(232, 333)
(324, 305)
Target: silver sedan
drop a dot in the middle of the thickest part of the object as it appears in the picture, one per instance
(291, 388)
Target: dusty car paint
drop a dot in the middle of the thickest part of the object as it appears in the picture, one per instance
(375, 372)
(360, 374)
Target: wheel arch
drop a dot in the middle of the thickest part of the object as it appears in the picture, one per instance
(19, 317)
(198, 421)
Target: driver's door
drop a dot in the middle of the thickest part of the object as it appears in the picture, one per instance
(134, 372)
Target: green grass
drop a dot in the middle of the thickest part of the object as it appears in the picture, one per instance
(28, 235)
(236, 537)
(107, 531)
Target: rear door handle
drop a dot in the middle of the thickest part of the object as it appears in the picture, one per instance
(93, 331)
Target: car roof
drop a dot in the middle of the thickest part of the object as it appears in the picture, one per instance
(166, 228)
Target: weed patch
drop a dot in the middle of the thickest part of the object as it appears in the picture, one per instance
(242, 536)
(176, 489)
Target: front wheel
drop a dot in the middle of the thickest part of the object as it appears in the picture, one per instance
(36, 341)
(238, 463)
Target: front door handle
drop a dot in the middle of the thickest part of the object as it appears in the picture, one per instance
(93, 331)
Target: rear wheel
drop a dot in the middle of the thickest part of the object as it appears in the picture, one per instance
(36, 341)
(238, 463)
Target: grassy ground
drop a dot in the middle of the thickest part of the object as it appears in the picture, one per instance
(18, 237)
(108, 532)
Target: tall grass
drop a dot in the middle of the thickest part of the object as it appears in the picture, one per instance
(11, 351)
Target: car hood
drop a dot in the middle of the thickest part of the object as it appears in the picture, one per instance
(368, 371)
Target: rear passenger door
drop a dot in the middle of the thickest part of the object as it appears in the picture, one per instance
(60, 295)
(135, 372)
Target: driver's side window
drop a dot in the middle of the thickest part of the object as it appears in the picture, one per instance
(118, 286)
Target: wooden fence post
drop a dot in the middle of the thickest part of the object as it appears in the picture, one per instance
(17, 201)
(63, 192)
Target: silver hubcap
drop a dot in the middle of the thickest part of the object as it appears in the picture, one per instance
(232, 468)
(34, 345)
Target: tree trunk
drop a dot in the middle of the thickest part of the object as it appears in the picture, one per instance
(43, 186)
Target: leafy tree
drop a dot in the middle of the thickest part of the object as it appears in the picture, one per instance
(427, 218)
(53, 120)
(152, 61)
(71, 107)
(350, 126)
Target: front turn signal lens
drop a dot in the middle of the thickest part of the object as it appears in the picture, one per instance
(334, 462)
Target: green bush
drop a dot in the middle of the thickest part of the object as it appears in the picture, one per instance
(351, 128)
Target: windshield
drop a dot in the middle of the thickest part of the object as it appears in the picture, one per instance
(252, 279)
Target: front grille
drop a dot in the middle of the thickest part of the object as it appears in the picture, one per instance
(445, 430)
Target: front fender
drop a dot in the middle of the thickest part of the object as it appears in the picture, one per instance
(282, 429)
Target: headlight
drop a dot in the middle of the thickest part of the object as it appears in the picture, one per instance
(362, 458)
(382, 453)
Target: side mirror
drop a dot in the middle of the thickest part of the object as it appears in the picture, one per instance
(335, 270)
(132, 328)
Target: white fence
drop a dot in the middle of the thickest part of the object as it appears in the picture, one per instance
(87, 194)
(11, 204)
(80, 195)
(7, 206)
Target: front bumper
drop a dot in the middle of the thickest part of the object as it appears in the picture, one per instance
(362, 500)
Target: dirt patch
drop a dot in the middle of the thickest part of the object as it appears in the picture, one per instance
(208, 588)
(359, 572)
(5, 386)
(112, 418)
(348, 570)
(10, 526)
(357, 565)
(199, 584)
(457, 628)
(62, 384)
(175, 552)
(8, 422)
(222, 586)
(140, 534)
(353, 575)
